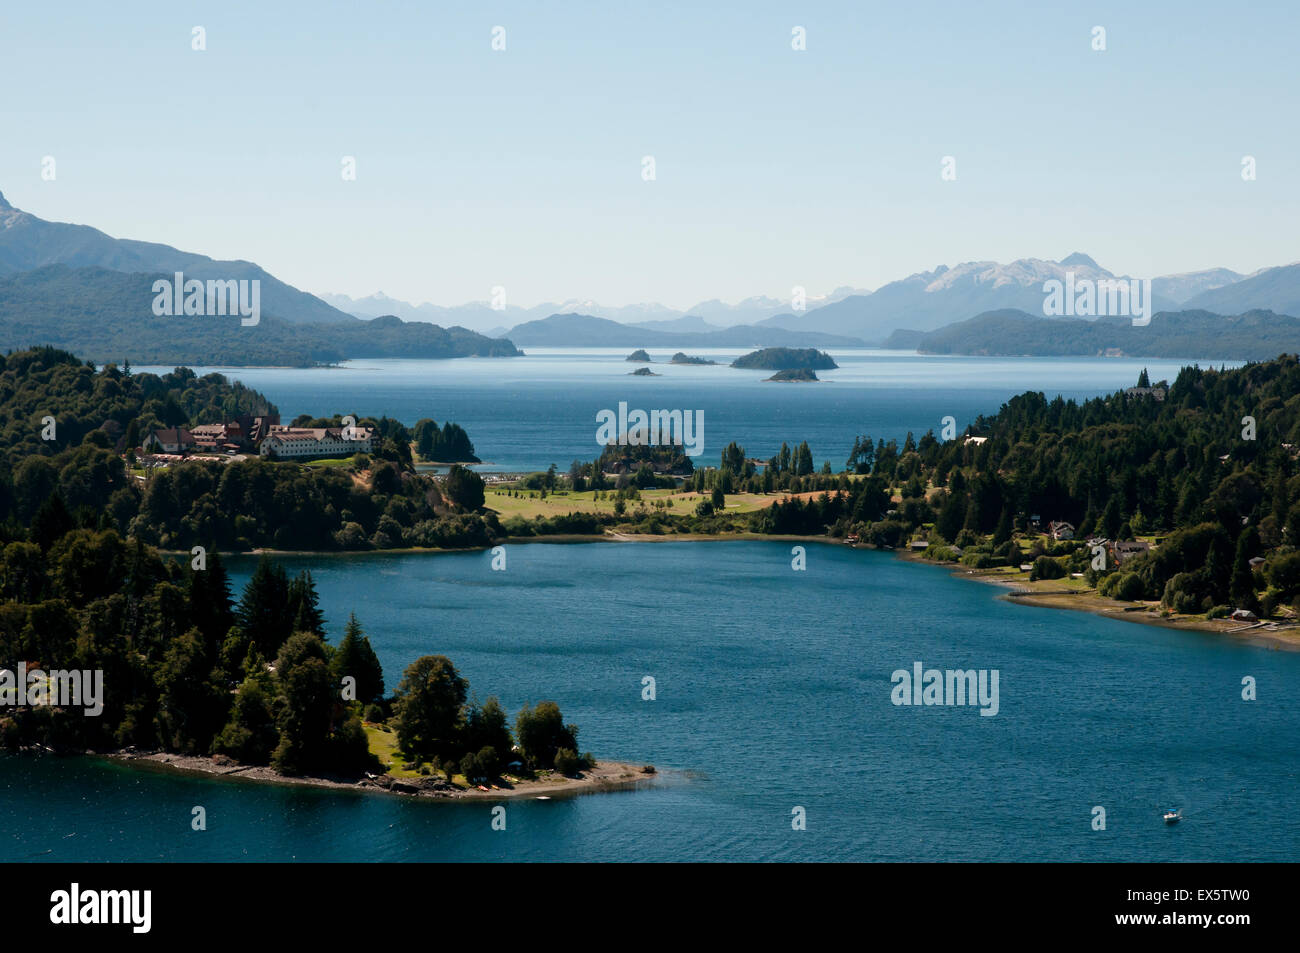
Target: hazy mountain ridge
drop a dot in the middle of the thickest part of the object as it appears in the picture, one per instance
(1252, 335)
(107, 315)
(584, 330)
(28, 243)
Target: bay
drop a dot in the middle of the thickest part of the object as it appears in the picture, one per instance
(773, 692)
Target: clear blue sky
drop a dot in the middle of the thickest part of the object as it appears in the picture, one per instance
(774, 168)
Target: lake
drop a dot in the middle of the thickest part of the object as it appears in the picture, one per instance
(526, 413)
(773, 692)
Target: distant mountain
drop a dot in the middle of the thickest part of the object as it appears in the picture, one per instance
(1254, 335)
(705, 317)
(1181, 288)
(481, 316)
(932, 299)
(28, 242)
(584, 330)
(691, 324)
(108, 315)
(1273, 289)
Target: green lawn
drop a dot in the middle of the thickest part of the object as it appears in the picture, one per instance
(683, 504)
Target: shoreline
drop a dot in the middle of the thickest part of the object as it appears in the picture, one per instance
(1140, 613)
(606, 777)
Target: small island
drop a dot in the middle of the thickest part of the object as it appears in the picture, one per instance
(638, 356)
(794, 375)
(644, 372)
(786, 358)
(683, 358)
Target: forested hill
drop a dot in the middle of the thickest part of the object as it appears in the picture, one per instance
(1209, 473)
(1164, 463)
(1252, 336)
(108, 316)
(67, 429)
(45, 382)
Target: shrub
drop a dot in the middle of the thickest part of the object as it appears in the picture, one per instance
(373, 714)
(469, 767)
(489, 762)
(1045, 567)
(566, 762)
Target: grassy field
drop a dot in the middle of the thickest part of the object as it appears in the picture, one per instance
(529, 503)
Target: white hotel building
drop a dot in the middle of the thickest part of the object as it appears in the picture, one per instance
(299, 443)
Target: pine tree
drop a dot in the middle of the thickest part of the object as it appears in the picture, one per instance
(356, 658)
(1241, 590)
(265, 612)
(304, 605)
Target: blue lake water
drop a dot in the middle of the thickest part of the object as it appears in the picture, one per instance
(529, 412)
(773, 692)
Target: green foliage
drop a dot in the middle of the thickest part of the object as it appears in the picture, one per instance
(786, 358)
(542, 732)
(1045, 567)
(464, 488)
(567, 762)
(449, 445)
(354, 657)
(428, 708)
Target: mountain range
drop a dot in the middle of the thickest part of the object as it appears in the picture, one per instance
(1254, 335)
(56, 271)
(920, 303)
(589, 331)
(76, 287)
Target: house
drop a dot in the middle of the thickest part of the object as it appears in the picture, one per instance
(1244, 615)
(1256, 562)
(227, 436)
(918, 545)
(1060, 530)
(976, 440)
(1127, 549)
(1035, 521)
(1156, 392)
(171, 440)
(304, 443)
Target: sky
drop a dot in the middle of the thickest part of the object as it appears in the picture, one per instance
(523, 168)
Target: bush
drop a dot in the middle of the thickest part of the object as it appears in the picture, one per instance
(469, 767)
(489, 762)
(373, 714)
(1045, 567)
(566, 762)
(1130, 587)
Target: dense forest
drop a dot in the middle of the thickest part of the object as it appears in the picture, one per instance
(188, 669)
(80, 477)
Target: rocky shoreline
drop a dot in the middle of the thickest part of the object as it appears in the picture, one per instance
(605, 776)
